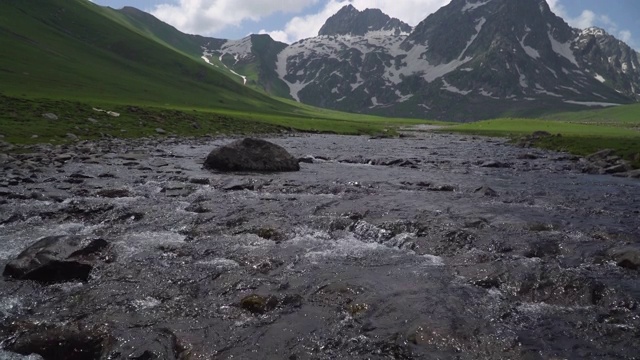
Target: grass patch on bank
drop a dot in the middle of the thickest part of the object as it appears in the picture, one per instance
(578, 139)
(618, 116)
(22, 121)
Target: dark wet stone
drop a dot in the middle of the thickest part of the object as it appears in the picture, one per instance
(550, 284)
(615, 169)
(238, 185)
(488, 282)
(251, 155)
(527, 156)
(495, 164)
(600, 155)
(486, 191)
(114, 193)
(200, 181)
(258, 304)
(292, 301)
(146, 344)
(177, 189)
(78, 343)
(306, 159)
(443, 188)
(56, 259)
(542, 248)
(197, 208)
(270, 234)
(60, 343)
(540, 134)
(627, 257)
(80, 176)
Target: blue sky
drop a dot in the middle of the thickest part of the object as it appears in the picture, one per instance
(291, 20)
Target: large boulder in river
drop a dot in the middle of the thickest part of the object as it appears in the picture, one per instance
(251, 155)
(56, 259)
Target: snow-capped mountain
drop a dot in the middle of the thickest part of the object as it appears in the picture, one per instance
(472, 59)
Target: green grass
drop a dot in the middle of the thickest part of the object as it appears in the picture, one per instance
(72, 49)
(23, 119)
(579, 139)
(626, 116)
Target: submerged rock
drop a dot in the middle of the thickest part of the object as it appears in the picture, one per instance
(251, 155)
(76, 342)
(258, 304)
(60, 343)
(56, 259)
(627, 257)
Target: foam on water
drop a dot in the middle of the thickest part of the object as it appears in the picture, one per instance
(219, 263)
(13, 243)
(133, 243)
(544, 308)
(9, 305)
(4, 355)
(146, 303)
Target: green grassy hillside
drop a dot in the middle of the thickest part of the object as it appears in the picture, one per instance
(70, 49)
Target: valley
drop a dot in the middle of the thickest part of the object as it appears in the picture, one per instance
(467, 194)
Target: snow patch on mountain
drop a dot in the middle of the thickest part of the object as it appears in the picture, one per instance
(591, 103)
(438, 71)
(563, 49)
(205, 57)
(599, 78)
(240, 49)
(479, 25)
(473, 6)
(453, 89)
(244, 78)
(528, 49)
(523, 79)
(402, 98)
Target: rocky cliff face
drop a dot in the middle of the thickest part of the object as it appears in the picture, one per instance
(470, 60)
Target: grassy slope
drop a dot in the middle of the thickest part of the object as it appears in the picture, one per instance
(76, 55)
(69, 49)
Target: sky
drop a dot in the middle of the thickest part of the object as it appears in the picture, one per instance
(292, 20)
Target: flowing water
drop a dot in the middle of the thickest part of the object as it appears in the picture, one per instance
(425, 247)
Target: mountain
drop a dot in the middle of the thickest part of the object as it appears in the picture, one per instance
(472, 59)
(350, 21)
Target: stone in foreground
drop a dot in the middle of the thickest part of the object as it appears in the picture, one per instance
(56, 259)
(251, 155)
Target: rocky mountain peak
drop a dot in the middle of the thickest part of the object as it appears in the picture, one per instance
(351, 21)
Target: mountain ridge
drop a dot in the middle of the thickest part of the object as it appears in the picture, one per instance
(504, 58)
(513, 57)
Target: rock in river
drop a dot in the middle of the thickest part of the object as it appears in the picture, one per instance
(56, 259)
(251, 155)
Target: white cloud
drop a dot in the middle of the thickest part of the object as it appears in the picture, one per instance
(207, 17)
(586, 19)
(625, 35)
